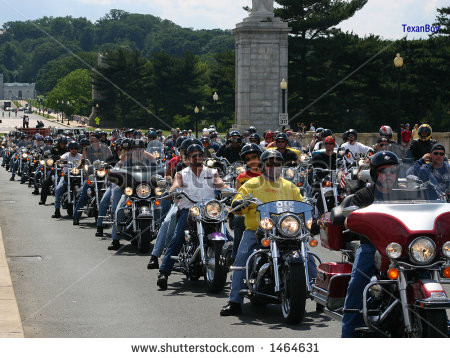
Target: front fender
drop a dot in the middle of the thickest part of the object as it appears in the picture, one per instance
(294, 258)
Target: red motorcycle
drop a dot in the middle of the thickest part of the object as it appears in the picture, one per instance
(406, 297)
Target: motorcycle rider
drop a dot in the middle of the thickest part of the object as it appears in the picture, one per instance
(318, 136)
(290, 156)
(267, 187)
(325, 159)
(268, 138)
(394, 147)
(71, 156)
(354, 146)
(231, 151)
(320, 144)
(420, 147)
(199, 182)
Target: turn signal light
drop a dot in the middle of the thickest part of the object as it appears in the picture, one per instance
(128, 202)
(348, 155)
(265, 242)
(300, 184)
(89, 182)
(447, 272)
(157, 203)
(327, 184)
(62, 174)
(393, 273)
(313, 243)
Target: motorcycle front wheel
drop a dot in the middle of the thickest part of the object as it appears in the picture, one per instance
(293, 293)
(215, 271)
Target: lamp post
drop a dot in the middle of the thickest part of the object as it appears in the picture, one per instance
(398, 63)
(196, 110)
(215, 99)
(68, 116)
(283, 86)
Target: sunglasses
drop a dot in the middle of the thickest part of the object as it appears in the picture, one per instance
(273, 164)
(199, 155)
(329, 143)
(251, 157)
(388, 171)
(384, 145)
(439, 153)
(281, 141)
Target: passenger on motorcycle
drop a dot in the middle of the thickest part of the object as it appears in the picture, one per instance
(71, 156)
(318, 137)
(267, 187)
(199, 182)
(394, 147)
(420, 147)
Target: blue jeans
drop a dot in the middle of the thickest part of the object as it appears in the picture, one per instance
(166, 231)
(239, 228)
(363, 269)
(60, 189)
(247, 245)
(82, 200)
(103, 207)
(176, 243)
(15, 166)
(25, 172)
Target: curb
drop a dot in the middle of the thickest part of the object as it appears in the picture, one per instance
(10, 322)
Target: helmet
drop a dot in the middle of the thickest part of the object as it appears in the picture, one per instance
(138, 143)
(255, 136)
(345, 136)
(129, 130)
(251, 129)
(213, 135)
(212, 126)
(68, 132)
(98, 133)
(179, 141)
(354, 132)
(152, 135)
(327, 133)
(126, 143)
(81, 136)
(189, 141)
(39, 137)
(115, 131)
(205, 140)
(268, 134)
(23, 135)
(194, 148)
(250, 148)
(329, 139)
(62, 140)
(84, 141)
(379, 159)
(425, 132)
(268, 154)
(281, 136)
(159, 131)
(385, 131)
(319, 130)
(73, 145)
(118, 143)
(234, 133)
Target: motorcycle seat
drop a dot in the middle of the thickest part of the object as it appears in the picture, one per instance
(337, 217)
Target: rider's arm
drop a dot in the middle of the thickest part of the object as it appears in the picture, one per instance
(218, 182)
(177, 182)
(149, 156)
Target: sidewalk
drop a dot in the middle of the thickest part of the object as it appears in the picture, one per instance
(10, 322)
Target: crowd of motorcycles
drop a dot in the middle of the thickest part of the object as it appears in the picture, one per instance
(405, 297)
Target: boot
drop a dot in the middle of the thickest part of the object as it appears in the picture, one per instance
(99, 232)
(231, 309)
(11, 179)
(115, 245)
(153, 263)
(42, 202)
(76, 221)
(162, 281)
(57, 214)
(35, 192)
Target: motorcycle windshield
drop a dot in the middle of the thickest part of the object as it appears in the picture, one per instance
(286, 206)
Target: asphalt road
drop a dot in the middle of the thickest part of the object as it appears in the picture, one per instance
(68, 285)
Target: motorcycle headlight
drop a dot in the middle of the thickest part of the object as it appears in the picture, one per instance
(86, 168)
(156, 155)
(128, 191)
(42, 162)
(213, 209)
(446, 249)
(422, 250)
(195, 211)
(143, 191)
(210, 163)
(158, 191)
(289, 174)
(289, 225)
(266, 224)
(24, 155)
(240, 169)
(101, 173)
(394, 250)
(75, 171)
(50, 162)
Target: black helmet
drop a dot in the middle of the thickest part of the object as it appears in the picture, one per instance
(180, 140)
(424, 132)
(97, 133)
(352, 131)
(255, 136)
(250, 148)
(326, 133)
(379, 159)
(205, 140)
(68, 132)
(189, 141)
(84, 141)
(281, 136)
(194, 148)
(268, 154)
(159, 131)
(345, 136)
(234, 133)
(73, 145)
(126, 143)
(138, 143)
(62, 140)
(251, 129)
(129, 130)
(48, 139)
(118, 143)
(152, 135)
(81, 136)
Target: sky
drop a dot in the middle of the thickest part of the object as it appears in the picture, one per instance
(380, 17)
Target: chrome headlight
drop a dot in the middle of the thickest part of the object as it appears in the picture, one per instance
(75, 171)
(289, 174)
(101, 173)
(213, 209)
(195, 211)
(266, 224)
(158, 191)
(128, 191)
(156, 155)
(86, 168)
(289, 225)
(240, 169)
(50, 162)
(210, 163)
(394, 250)
(446, 249)
(143, 191)
(24, 155)
(422, 250)
(42, 162)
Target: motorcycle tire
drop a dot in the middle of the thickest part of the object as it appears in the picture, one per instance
(145, 236)
(293, 293)
(431, 323)
(215, 272)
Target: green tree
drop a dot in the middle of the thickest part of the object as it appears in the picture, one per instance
(443, 21)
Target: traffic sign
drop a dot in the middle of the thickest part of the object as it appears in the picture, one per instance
(283, 119)
(97, 121)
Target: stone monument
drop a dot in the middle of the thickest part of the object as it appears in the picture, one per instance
(261, 64)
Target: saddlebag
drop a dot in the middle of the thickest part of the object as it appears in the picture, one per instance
(333, 277)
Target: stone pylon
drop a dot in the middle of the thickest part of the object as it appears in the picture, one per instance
(261, 64)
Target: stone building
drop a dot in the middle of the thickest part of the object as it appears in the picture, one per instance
(15, 91)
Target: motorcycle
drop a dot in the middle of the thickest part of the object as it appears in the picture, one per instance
(202, 252)
(405, 298)
(74, 179)
(278, 271)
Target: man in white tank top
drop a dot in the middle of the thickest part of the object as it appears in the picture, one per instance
(199, 182)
